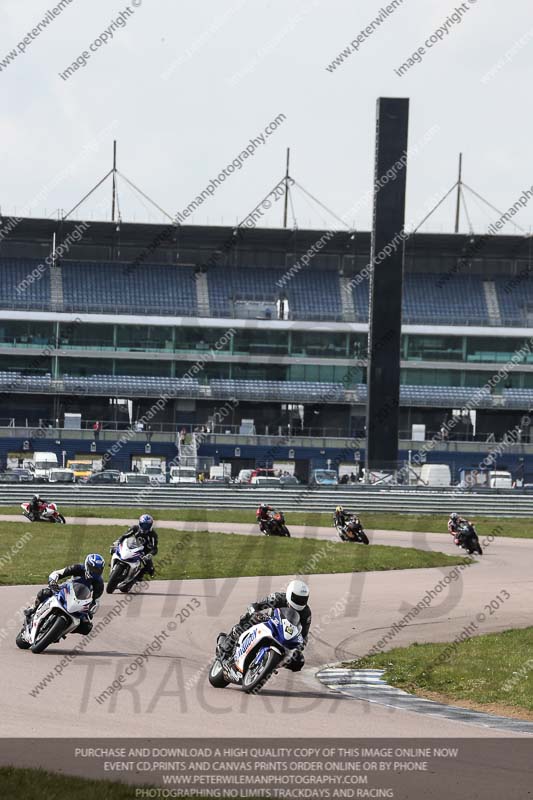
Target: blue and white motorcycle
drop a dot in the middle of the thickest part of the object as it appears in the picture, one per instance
(126, 564)
(56, 617)
(258, 652)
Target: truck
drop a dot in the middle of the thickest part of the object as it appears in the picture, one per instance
(81, 469)
(41, 465)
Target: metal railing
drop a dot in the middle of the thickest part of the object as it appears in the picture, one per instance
(493, 502)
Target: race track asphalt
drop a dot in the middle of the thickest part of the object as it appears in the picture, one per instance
(168, 695)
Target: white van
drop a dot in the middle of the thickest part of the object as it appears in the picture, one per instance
(182, 474)
(244, 476)
(42, 464)
(155, 473)
(435, 475)
(500, 479)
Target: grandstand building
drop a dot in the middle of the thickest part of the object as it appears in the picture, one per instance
(120, 317)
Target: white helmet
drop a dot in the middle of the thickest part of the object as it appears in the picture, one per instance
(297, 595)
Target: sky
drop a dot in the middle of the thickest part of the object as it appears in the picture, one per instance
(185, 87)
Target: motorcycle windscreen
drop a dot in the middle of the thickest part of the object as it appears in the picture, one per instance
(80, 591)
(132, 543)
(290, 623)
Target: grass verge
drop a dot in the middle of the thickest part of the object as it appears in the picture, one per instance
(521, 528)
(493, 672)
(37, 784)
(29, 553)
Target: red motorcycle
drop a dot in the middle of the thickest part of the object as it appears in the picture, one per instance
(48, 512)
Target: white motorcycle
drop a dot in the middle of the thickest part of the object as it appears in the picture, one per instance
(48, 513)
(259, 652)
(60, 614)
(126, 564)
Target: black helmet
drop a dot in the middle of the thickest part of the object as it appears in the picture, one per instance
(36, 497)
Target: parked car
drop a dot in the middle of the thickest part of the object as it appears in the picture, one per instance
(266, 480)
(108, 476)
(289, 480)
(136, 479)
(9, 477)
(244, 476)
(25, 474)
(262, 472)
(60, 475)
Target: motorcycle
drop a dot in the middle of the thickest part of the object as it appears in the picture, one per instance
(259, 652)
(47, 513)
(351, 531)
(467, 538)
(126, 564)
(56, 617)
(275, 526)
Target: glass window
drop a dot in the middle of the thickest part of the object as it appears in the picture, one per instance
(85, 366)
(30, 365)
(203, 339)
(26, 334)
(492, 349)
(435, 348)
(260, 372)
(144, 337)
(431, 377)
(145, 366)
(261, 342)
(358, 344)
(319, 343)
(83, 334)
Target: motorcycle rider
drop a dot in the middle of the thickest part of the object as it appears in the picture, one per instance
(89, 573)
(146, 534)
(295, 596)
(36, 505)
(454, 525)
(264, 515)
(341, 516)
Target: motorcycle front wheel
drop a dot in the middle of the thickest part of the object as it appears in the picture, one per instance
(116, 577)
(216, 676)
(256, 675)
(52, 634)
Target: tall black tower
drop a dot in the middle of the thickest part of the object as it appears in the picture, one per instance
(387, 258)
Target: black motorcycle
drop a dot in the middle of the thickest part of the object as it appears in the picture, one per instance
(351, 531)
(275, 526)
(467, 538)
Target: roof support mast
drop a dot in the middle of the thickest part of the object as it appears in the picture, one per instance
(286, 188)
(459, 189)
(114, 190)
